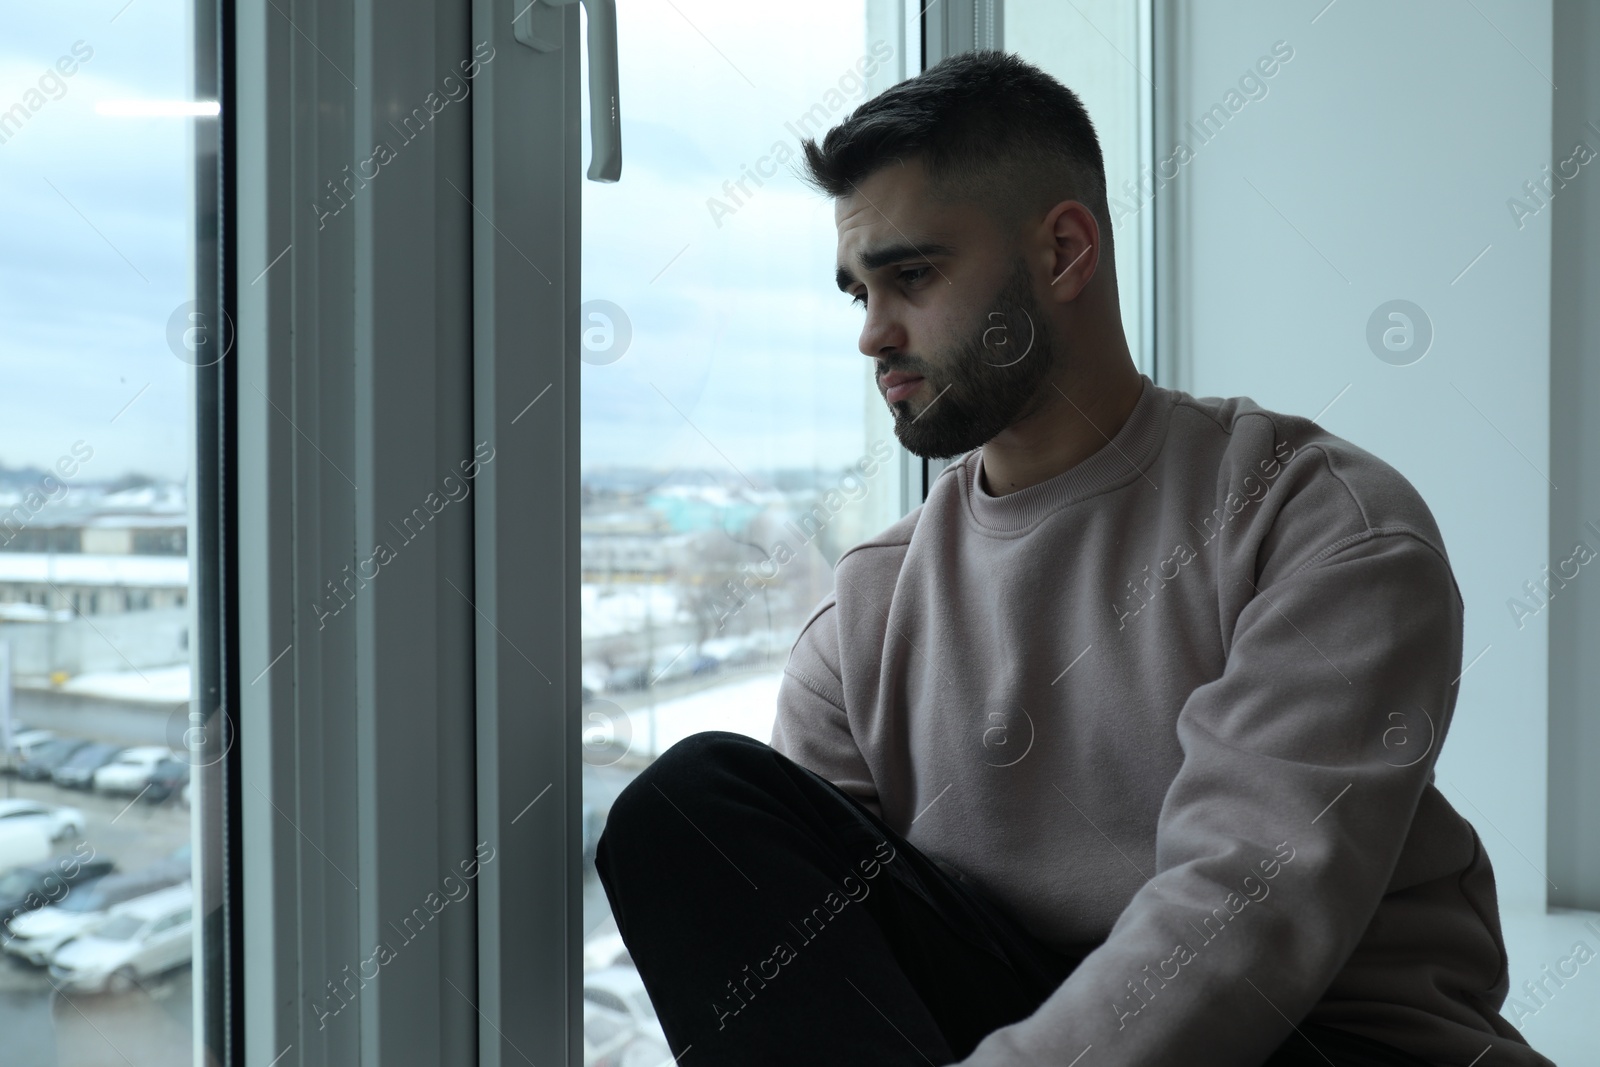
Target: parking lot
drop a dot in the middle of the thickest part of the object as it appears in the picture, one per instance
(41, 1026)
(151, 1026)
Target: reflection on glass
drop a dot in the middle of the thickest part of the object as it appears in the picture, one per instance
(97, 279)
(734, 442)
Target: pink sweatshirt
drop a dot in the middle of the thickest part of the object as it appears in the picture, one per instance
(1184, 698)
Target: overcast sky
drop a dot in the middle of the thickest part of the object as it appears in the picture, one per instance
(95, 253)
(744, 333)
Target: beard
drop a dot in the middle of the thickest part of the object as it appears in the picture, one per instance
(985, 384)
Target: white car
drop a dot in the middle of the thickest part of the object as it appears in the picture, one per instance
(24, 744)
(605, 1034)
(616, 995)
(59, 822)
(23, 843)
(37, 935)
(605, 950)
(140, 939)
(130, 771)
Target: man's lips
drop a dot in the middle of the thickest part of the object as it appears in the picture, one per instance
(898, 386)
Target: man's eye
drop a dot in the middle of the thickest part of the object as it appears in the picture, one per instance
(909, 276)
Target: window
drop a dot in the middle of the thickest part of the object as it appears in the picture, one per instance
(1103, 53)
(734, 443)
(101, 175)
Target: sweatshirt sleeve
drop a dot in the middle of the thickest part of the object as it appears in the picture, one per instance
(1303, 765)
(812, 727)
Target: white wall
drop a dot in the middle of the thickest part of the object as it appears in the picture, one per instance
(115, 641)
(1378, 168)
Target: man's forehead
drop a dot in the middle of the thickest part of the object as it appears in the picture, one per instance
(888, 208)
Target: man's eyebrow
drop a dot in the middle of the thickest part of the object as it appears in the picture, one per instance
(882, 257)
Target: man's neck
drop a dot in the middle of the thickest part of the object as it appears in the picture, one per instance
(1075, 421)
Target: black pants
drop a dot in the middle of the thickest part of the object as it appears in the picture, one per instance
(776, 921)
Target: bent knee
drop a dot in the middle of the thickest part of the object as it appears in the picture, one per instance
(695, 760)
(683, 775)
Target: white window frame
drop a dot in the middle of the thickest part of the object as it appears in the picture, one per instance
(356, 735)
(381, 743)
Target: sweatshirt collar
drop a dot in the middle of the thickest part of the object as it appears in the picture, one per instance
(1116, 463)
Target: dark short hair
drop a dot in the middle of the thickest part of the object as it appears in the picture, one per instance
(988, 127)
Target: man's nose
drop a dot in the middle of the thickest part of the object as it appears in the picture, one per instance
(882, 334)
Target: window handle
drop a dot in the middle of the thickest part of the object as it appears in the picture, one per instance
(539, 25)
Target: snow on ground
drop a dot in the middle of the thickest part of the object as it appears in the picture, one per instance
(155, 685)
(83, 568)
(620, 609)
(747, 706)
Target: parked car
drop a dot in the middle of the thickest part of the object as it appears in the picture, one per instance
(605, 950)
(614, 1001)
(140, 939)
(22, 843)
(176, 865)
(37, 935)
(47, 757)
(670, 666)
(24, 743)
(622, 990)
(704, 665)
(60, 822)
(42, 884)
(648, 1050)
(130, 770)
(606, 1034)
(166, 778)
(77, 772)
(627, 679)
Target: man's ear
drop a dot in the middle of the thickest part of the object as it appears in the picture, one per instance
(1074, 249)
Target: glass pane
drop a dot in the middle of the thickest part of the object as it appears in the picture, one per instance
(97, 282)
(734, 442)
(1099, 50)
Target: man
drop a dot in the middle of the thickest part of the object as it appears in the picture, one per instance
(1118, 749)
